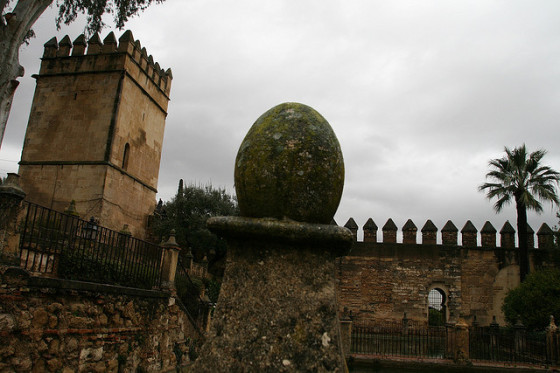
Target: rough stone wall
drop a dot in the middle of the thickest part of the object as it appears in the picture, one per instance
(49, 325)
(381, 281)
(87, 107)
(55, 186)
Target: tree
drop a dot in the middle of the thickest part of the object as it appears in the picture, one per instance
(187, 213)
(520, 177)
(16, 22)
(534, 300)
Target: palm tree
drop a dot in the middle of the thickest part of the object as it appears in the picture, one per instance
(521, 177)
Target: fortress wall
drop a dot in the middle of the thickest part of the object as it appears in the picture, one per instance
(380, 281)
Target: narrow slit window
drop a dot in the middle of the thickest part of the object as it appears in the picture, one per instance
(126, 154)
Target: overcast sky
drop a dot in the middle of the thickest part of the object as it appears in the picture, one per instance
(421, 94)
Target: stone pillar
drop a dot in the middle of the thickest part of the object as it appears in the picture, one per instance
(519, 341)
(449, 234)
(488, 235)
(405, 322)
(370, 231)
(462, 341)
(450, 346)
(545, 237)
(429, 233)
(468, 235)
(188, 261)
(351, 224)
(494, 332)
(277, 308)
(409, 232)
(170, 259)
(507, 236)
(346, 335)
(552, 345)
(389, 232)
(11, 196)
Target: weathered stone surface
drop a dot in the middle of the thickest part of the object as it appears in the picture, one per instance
(290, 166)
(79, 146)
(55, 329)
(277, 307)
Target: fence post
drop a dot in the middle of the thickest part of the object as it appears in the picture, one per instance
(494, 334)
(405, 321)
(462, 340)
(552, 341)
(346, 332)
(519, 337)
(170, 257)
(11, 196)
(450, 340)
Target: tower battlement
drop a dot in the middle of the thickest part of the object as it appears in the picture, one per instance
(95, 130)
(94, 55)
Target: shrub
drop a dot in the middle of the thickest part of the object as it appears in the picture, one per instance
(534, 300)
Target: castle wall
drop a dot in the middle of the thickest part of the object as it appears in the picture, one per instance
(54, 186)
(126, 201)
(95, 131)
(380, 281)
(70, 118)
(140, 124)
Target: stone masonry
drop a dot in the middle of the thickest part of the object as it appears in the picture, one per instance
(380, 281)
(95, 130)
(51, 325)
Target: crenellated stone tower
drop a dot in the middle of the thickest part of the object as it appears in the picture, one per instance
(95, 131)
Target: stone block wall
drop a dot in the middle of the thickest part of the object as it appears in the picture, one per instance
(50, 325)
(380, 281)
(95, 130)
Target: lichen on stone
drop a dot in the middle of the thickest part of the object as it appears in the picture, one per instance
(290, 165)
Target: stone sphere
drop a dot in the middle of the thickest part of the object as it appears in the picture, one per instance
(290, 166)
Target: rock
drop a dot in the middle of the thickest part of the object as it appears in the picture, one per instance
(54, 365)
(7, 322)
(42, 346)
(55, 307)
(290, 166)
(54, 346)
(40, 318)
(71, 345)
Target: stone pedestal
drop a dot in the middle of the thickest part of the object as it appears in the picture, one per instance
(277, 307)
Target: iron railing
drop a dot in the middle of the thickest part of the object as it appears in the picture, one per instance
(399, 339)
(515, 344)
(189, 294)
(71, 248)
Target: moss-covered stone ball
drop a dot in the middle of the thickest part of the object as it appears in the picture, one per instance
(290, 166)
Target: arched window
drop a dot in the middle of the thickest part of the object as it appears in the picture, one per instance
(125, 156)
(437, 307)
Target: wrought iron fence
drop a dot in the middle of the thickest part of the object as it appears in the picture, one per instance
(189, 293)
(405, 339)
(493, 343)
(68, 247)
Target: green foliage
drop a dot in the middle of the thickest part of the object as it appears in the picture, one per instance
(534, 300)
(189, 293)
(556, 230)
(121, 11)
(435, 317)
(213, 289)
(187, 214)
(521, 178)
